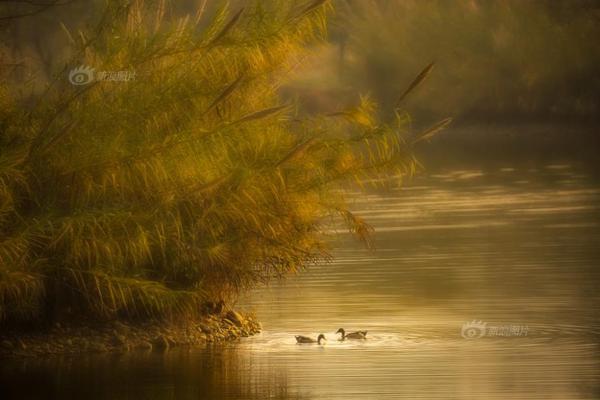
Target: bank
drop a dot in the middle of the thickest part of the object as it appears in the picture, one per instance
(118, 336)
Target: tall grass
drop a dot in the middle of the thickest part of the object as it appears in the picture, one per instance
(189, 183)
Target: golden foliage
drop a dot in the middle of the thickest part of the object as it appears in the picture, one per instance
(190, 182)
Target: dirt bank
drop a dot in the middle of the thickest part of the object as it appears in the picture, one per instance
(117, 336)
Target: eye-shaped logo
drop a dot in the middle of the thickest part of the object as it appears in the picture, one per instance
(473, 329)
(81, 75)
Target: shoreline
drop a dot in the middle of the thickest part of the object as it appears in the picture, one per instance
(122, 337)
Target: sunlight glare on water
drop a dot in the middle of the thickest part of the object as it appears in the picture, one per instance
(514, 249)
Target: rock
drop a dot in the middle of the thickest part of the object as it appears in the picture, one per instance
(119, 340)
(256, 327)
(161, 343)
(97, 347)
(144, 345)
(205, 327)
(235, 317)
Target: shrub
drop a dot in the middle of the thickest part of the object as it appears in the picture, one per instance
(190, 182)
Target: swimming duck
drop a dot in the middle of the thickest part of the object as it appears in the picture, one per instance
(352, 335)
(305, 339)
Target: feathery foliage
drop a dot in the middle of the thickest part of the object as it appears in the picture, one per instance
(190, 182)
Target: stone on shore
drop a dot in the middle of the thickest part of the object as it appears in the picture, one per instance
(235, 317)
(120, 336)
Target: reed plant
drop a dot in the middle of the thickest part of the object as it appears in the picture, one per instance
(190, 182)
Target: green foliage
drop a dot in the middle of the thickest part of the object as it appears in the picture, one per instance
(189, 183)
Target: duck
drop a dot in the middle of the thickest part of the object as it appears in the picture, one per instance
(352, 335)
(306, 339)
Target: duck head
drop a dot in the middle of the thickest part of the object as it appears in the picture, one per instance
(321, 337)
(342, 331)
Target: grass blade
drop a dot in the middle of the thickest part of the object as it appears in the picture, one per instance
(261, 114)
(416, 82)
(230, 25)
(224, 94)
(433, 130)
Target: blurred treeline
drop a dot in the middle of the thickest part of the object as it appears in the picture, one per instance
(507, 60)
(520, 78)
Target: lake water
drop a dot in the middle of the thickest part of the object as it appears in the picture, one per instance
(514, 248)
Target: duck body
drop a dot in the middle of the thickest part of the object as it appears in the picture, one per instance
(306, 339)
(360, 335)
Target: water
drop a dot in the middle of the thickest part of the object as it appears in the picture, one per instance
(516, 249)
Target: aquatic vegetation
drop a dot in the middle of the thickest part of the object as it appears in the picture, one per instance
(186, 181)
